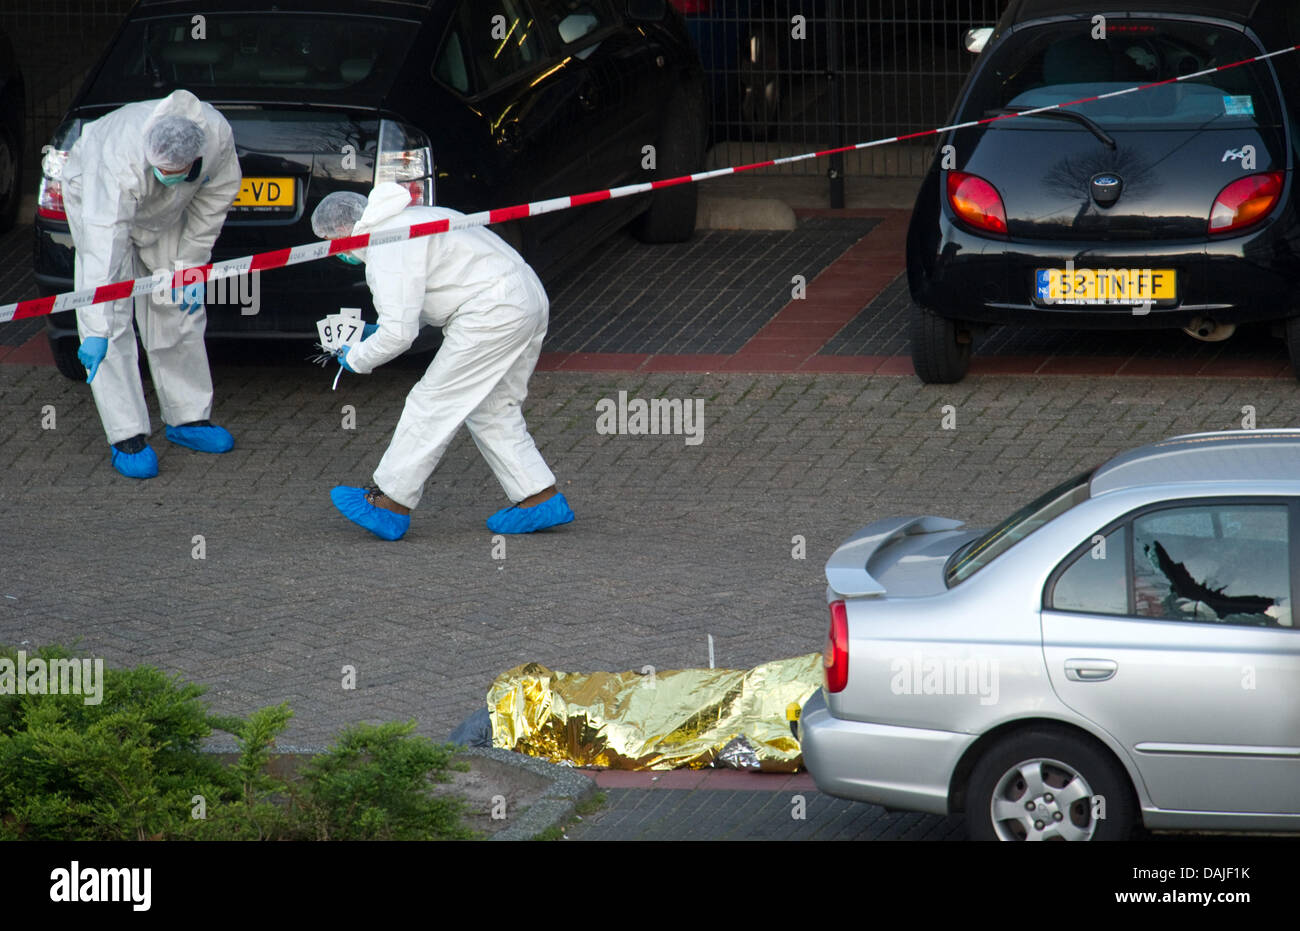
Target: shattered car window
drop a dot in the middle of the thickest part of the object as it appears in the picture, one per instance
(1228, 565)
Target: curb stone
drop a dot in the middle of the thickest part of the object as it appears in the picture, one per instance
(555, 807)
(557, 804)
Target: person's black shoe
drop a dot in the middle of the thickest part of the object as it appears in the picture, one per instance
(132, 446)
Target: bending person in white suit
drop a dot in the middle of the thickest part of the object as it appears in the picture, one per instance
(147, 188)
(493, 312)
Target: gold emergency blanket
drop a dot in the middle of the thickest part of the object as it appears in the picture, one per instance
(677, 719)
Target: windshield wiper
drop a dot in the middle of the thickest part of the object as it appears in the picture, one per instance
(1072, 115)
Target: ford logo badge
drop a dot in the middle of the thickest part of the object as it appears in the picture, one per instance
(1106, 189)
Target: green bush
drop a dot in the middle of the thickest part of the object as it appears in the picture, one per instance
(132, 768)
(374, 785)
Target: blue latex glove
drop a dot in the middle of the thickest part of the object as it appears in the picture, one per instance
(92, 352)
(191, 296)
(369, 330)
(343, 359)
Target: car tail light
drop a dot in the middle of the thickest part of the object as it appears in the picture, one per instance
(1246, 201)
(976, 202)
(835, 660)
(692, 7)
(406, 158)
(49, 200)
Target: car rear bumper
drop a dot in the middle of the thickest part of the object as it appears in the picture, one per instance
(898, 767)
(963, 276)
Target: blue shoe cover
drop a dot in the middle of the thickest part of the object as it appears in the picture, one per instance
(143, 464)
(550, 513)
(383, 523)
(206, 438)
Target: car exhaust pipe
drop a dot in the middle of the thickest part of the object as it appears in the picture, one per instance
(1208, 331)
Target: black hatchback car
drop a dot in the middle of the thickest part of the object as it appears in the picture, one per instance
(472, 104)
(1174, 206)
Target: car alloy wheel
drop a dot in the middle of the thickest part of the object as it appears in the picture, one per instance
(1024, 781)
(1042, 800)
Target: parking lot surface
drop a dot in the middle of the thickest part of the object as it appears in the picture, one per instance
(236, 572)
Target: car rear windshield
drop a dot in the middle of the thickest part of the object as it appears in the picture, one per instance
(1061, 62)
(261, 51)
(977, 554)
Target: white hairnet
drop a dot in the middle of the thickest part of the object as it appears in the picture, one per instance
(337, 213)
(173, 143)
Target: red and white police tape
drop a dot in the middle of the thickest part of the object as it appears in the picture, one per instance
(278, 258)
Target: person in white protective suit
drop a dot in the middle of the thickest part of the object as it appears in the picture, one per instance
(493, 313)
(147, 188)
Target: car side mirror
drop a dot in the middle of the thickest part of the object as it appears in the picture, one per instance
(647, 9)
(976, 39)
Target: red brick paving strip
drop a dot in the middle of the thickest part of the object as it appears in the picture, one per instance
(688, 779)
(791, 340)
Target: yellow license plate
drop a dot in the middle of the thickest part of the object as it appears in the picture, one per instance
(1106, 285)
(265, 192)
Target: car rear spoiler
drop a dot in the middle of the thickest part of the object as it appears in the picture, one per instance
(846, 570)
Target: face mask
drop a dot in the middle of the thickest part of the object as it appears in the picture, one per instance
(169, 180)
(350, 259)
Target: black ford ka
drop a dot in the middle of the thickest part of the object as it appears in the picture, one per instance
(1171, 207)
(472, 104)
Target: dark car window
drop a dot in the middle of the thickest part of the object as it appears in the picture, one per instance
(1097, 581)
(1224, 564)
(502, 39)
(569, 21)
(1058, 63)
(452, 65)
(266, 50)
(977, 554)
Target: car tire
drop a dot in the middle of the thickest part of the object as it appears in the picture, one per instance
(11, 179)
(64, 349)
(1043, 767)
(1291, 333)
(941, 348)
(671, 214)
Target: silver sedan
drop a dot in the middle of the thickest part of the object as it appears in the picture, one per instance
(1121, 650)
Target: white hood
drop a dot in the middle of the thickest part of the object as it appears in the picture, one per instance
(386, 201)
(177, 103)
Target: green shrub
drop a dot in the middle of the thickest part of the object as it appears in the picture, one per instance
(132, 768)
(374, 784)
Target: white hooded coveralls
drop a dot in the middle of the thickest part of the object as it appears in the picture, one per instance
(493, 312)
(127, 224)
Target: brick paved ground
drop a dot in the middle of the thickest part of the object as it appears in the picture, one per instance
(722, 814)
(672, 542)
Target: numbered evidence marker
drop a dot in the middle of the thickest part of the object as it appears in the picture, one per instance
(344, 328)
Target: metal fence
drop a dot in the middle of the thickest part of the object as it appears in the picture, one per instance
(784, 76)
(790, 76)
(56, 41)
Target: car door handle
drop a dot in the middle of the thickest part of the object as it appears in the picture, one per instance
(1090, 670)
